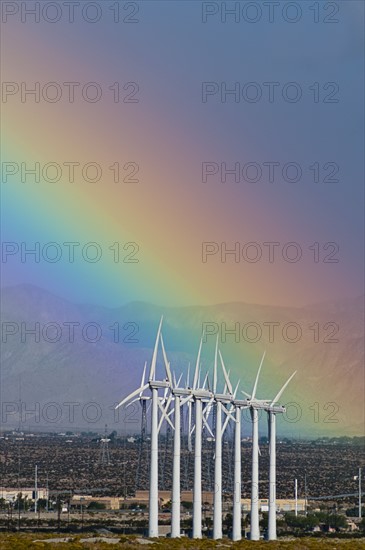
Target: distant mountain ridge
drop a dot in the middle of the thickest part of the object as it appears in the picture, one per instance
(329, 386)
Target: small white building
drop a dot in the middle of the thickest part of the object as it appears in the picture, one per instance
(282, 505)
(10, 494)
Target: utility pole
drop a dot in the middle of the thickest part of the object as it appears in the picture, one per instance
(305, 493)
(19, 501)
(296, 496)
(359, 493)
(58, 512)
(47, 493)
(358, 478)
(35, 489)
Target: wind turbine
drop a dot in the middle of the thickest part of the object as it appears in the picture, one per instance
(272, 411)
(175, 495)
(197, 396)
(176, 394)
(238, 404)
(255, 405)
(221, 400)
(154, 386)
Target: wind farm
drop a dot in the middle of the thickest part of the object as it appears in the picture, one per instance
(201, 436)
(206, 398)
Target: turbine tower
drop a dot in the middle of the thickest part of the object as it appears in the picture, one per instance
(255, 405)
(238, 404)
(272, 411)
(175, 495)
(221, 400)
(176, 394)
(197, 396)
(154, 386)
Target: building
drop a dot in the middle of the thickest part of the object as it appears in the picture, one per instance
(283, 505)
(10, 494)
(110, 503)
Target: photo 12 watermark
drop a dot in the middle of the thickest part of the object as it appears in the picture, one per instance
(272, 171)
(31, 12)
(69, 252)
(70, 171)
(68, 332)
(251, 332)
(247, 12)
(69, 92)
(252, 252)
(270, 92)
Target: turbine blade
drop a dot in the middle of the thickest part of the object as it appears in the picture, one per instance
(226, 378)
(131, 395)
(224, 409)
(225, 423)
(236, 388)
(208, 383)
(171, 412)
(196, 373)
(189, 417)
(277, 397)
(164, 416)
(186, 400)
(246, 394)
(167, 364)
(154, 356)
(215, 366)
(169, 399)
(133, 401)
(144, 373)
(229, 415)
(187, 377)
(205, 422)
(257, 377)
(177, 385)
(208, 408)
(205, 380)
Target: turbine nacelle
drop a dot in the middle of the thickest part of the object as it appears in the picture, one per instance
(181, 392)
(244, 403)
(201, 394)
(157, 384)
(258, 404)
(223, 397)
(276, 409)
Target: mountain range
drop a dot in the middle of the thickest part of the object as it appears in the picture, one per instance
(72, 378)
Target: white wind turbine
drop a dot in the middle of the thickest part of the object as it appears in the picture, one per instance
(255, 405)
(221, 400)
(175, 495)
(238, 404)
(272, 411)
(176, 394)
(197, 396)
(154, 386)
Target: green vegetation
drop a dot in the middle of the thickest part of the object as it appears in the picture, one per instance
(94, 505)
(22, 541)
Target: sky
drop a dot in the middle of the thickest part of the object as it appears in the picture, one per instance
(176, 154)
(297, 148)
